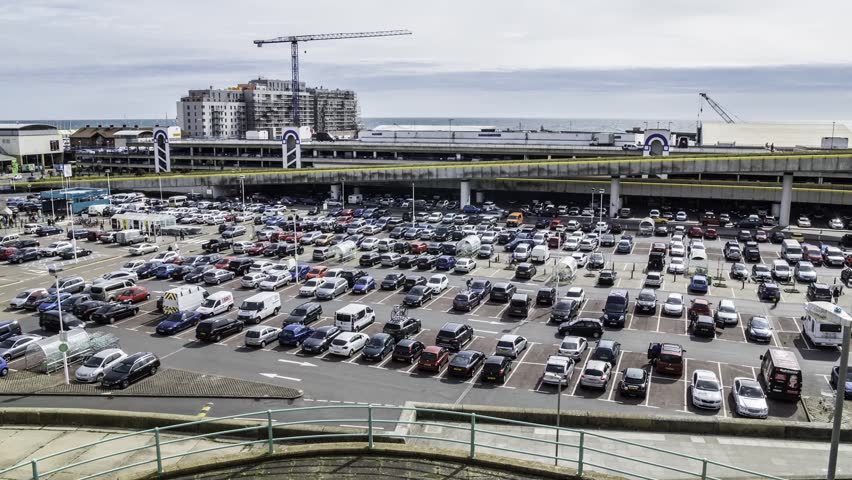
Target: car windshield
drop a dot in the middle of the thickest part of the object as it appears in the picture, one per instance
(674, 301)
(709, 385)
(328, 285)
(759, 322)
(126, 292)
(554, 368)
(727, 309)
(806, 268)
(750, 391)
(569, 345)
(377, 341)
(93, 361)
(251, 306)
(122, 368)
(593, 372)
(478, 284)
(634, 377)
(647, 297)
(8, 343)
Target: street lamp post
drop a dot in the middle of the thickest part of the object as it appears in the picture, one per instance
(412, 205)
(109, 190)
(600, 208)
(593, 203)
(243, 190)
(558, 418)
(63, 335)
(296, 248)
(836, 315)
(160, 183)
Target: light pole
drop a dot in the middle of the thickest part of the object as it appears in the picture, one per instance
(243, 190)
(593, 203)
(296, 248)
(558, 418)
(63, 335)
(412, 205)
(160, 183)
(600, 208)
(831, 147)
(109, 190)
(837, 315)
(343, 193)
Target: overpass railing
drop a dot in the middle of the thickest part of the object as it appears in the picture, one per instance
(474, 433)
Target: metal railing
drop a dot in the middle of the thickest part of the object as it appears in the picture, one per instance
(585, 449)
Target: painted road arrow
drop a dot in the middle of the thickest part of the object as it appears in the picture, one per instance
(301, 364)
(275, 375)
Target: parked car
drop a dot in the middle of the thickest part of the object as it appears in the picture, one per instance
(130, 370)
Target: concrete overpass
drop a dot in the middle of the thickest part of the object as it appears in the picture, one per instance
(616, 169)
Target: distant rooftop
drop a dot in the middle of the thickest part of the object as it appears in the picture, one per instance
(436, 128)
(26, 126)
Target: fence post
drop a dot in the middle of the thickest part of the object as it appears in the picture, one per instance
(580, 455)
(370, 426)
(157, 445)
(472, 435)
(704, 469)
(34, 463)
(269, 435)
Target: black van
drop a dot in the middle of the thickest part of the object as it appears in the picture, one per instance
(305, 314)
(615, 309)
(454, 335)
(240, 266)
(519, 305)
(213, 329)
(781, 375)
(9, 328)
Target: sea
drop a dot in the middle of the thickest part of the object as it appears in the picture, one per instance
(503, 123)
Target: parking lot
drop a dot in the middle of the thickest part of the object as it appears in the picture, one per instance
(329, 378)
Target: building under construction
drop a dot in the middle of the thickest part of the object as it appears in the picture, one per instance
(265, 105)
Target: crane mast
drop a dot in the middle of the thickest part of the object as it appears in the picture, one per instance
(718, 108)
(294, 40)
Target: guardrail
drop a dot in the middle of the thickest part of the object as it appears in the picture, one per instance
(473, 426)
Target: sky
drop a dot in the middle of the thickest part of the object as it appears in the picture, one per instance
(776, 60)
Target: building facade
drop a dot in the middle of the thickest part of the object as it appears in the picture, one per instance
(29, 147)
(264, 105)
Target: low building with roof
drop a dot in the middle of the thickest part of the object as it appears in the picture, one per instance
(29, 147)
(95, 137)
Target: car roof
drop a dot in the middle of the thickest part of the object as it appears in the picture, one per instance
(705, 375)
(433, 349)
(595, 364)
(609, 344)
(508, 338)
(634, 373)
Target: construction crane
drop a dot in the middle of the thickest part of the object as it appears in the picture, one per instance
(718, 108)
(294, 40)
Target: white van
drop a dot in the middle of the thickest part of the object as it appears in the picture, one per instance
(539, 254)
(260, 306)
(12, 237)
(219, 302)
(354, 317)
(96, 210)
(791, 250)
(129, 237)
(30, 228)
(816, 326)
(646, 226)
(186, 298)
(781, 271)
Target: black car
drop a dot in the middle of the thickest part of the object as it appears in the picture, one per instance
(778, 237)
(114, 311)
(565, 310)
(704, 326)
(305, 314)
(496, 368)
(84, 310)
(403, 248)
(607, 351)
(131, 370)
(379, 345)
(545, 296)
(71, 253)
(818, 291)
(49, 321)
(426, 262)
(466, 301)
(196, 274)
(26, 243)
(180, 272)
(502, 291)
(240, 266)
(751, 252)
(370, 259)
(147, 270)
(607, 277)
(634, 383)
(401, 328)
(45, 230)
(418, 295)
(213, 329)
(583, 327)
(321, 339)
(465, 363)
(408, 261)
(352, 275)
(768, 291)
(289, 250)
(24, 255)
(454, 335)
(393, 281)
(407, 350)
(481, 288)
(77, 233)
(616, 228)
(413, 281)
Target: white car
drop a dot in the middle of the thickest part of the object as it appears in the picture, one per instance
(601, 227)
(371, 229)
(522, 252)
(654, 279)
(706, 390)
(676, 249)
(578, 294)
(558, 370)
(309, 288)
(132, 265)
(833, 256)
(596, 374)
(511, 345)
(676, 265)
(654, 213)
(435, 217)
(698, 252)
(438, 282)
(571, 243)
(115, 275)
(673, 305)
(253, 279)
(164, 257)
(489, 238)
(588, 244)
(143, 248)
(727, 312)
(680, 216)
(262, 266)
(465, 265)
(573, 347)
(53, 249)
(835, 224)
(240, 247)
(369, 244)
(310, 237)
(749, 399)
(260, 335)
(581, 258)
(803, 222)
(275, 281)
(348, 343)
(572, 225)
(99, 364)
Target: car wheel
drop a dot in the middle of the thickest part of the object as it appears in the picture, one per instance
(275, 312)
(124, 384)
(99, 378)
(596, 334)
(111, 320)
(218, 338)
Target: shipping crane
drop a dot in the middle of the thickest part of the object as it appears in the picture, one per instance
(294, 40)
(718, 108)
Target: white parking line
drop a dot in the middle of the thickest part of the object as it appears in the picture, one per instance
(585, 362)
(448, 290)
(520, 362)
(389, 296)
(617, 373)
(722, 384)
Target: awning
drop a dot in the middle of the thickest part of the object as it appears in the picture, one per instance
(6, 158)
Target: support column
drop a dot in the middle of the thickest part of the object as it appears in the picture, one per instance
(334, 154)
(335, 192)
(480, 197)
(464, 193)
(375, 154)
(354, 154)
(614, 196)
(356, 190)
(786, 199)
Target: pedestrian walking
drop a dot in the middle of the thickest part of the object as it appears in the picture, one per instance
(182, 235)
(469, 281)
(836, 293)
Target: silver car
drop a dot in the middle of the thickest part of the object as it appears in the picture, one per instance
(261, 335)
(96, 366)
(275, 281)
(749, 399)
(14, 347)
(596, 374)
(331, 288)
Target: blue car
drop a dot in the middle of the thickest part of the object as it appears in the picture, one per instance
(52, 302)
(359, 212)
(294, 334)
(446, 262)
(303, 272)
(165, 271)
(364, 285)
(177, 322)
(4, 368)
(699, 284)
(471, 209)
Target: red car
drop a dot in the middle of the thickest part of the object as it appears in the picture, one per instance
(418, 247)
(224, 262)
(289, 238)
(700, 306)
(711, 234)
(318, 271)
(554, 224)
(6, 252)
(433, 358)
(134, 295)
(257, 248)
(695, 232)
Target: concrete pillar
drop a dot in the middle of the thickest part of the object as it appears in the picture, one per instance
(356, 190)
(820, 180)
(354, 154)
(786, 199)
(335, 192)
(776, 210)
(614, 196)
(334, 154)
(316, 153)
(549, 157)
(395, 156)
(375, 154)
(480, 197)
(464, 193)
(192, 151)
